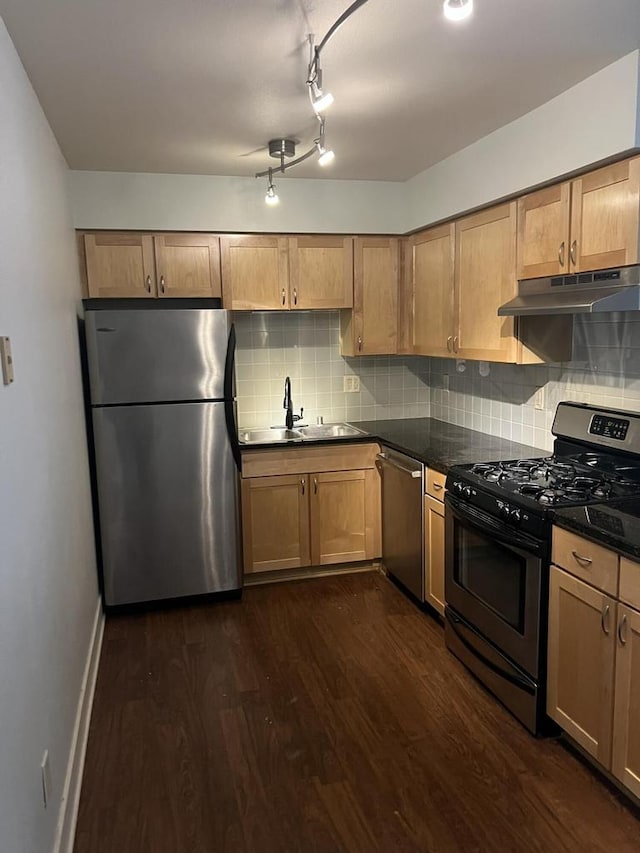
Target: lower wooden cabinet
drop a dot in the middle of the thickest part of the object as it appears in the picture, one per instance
(594, 669)
(626, 731)
(581, 663)
(310, 518)
(275, 523)
(434, 553)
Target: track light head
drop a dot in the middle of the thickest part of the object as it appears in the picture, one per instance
(326, 155)
(457, 10)
(271, 198)
(321, 101)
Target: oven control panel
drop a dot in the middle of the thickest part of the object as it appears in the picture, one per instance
(507, 513)
(609, 427)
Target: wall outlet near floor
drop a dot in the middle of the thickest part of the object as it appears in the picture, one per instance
(538, 399)
(351, 384)
(45, 772)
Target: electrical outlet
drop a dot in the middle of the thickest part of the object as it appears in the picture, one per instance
(351, 384)
(45, 771)
(538, 400)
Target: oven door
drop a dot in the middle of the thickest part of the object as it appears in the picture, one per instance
(493, 579)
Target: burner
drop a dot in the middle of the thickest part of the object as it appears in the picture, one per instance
(516, 475)
(548, 497)
(586, 482)
(602, 490)
(483, 469)
(530, 490)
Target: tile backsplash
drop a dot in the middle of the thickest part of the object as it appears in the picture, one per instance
(495, 398)
(306, 347)
(604, 370)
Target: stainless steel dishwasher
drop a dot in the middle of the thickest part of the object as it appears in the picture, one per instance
(402, 518)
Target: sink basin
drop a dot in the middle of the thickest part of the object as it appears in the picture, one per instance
(327, 431)
(268, 436)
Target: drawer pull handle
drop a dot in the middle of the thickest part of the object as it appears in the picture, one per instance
(315, 485)
(572, 252)
(561, 254)
(438, 487)
(621, 625)
(584, 561)
(359, 343)
(283, 295)
(148, 283)
(450, 343)
(302, 484)
(295, 296)
(455, 343)
(604, 620)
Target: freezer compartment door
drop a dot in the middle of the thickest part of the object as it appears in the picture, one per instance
(168, 499)
(148, 356)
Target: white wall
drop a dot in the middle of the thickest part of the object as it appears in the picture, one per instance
(211, 203)
(48, 591)
(595, 119)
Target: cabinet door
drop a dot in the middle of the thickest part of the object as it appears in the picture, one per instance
(321, 272)
(187, 265)
(543, 232)
(431, 259)
(255, 273)
(345, 517)
(275, 522)
(604, 217)
(626, 731)
(582, 623)
(120, 265)
(485, 277)
(372, 327)
(434, 553)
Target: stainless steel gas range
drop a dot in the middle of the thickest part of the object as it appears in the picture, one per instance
(498, 519)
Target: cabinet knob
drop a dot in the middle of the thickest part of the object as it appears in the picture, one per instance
(359, 343)
(148, 283)
(604, 620)
(573, 251)
(161, 284)
(621, 625)
(561, 254)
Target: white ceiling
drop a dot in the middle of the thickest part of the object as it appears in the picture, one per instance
(196, 86)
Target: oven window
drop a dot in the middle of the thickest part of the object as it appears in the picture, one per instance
(492, 573)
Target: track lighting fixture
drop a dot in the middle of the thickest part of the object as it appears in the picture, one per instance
(457, 10)
(454, 10)
(271, 198)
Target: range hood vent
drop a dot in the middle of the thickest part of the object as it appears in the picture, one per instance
(581, 293)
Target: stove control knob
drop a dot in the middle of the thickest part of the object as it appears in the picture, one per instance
(504, 510)
(515, 515)
(457, 487)
(467, 492)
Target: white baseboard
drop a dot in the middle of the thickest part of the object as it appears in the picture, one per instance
(66, 828)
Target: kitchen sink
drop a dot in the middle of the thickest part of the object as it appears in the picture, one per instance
(268, 436)
(320, 432)
(326, 431)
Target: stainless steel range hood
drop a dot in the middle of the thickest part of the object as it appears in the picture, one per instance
(581, 293)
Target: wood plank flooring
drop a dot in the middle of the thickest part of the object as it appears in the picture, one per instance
(321, 715)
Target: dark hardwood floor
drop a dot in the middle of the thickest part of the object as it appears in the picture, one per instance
(321, 715)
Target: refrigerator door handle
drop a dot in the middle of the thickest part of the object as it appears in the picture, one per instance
(229, 412)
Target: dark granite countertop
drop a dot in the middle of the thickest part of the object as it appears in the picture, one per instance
(615, 525)
(441, 445)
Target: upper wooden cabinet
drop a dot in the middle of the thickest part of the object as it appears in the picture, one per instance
(485, 278)
(275, 273)
(590, 223)
(255, 273)
(119, 265)
(320, 272)
(122, 265)
(187, 265)
(372, 327)
(430, 268)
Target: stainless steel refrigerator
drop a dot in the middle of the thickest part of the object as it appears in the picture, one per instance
(166, 451)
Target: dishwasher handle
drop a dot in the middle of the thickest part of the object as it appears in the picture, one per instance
(382, 458)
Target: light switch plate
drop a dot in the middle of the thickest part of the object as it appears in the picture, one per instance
(7, 360)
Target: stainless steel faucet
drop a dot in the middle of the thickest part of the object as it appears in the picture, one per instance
(288, 405)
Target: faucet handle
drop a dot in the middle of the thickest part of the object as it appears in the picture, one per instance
(298, 417)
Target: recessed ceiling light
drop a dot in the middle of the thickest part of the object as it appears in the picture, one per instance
(457, 10)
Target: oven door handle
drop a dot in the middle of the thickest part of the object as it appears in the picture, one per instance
(513, 538)
(511, 677)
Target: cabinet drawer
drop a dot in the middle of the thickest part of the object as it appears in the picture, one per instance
(592, 563)
(270, 462)
(435, 484)
(630, 582)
